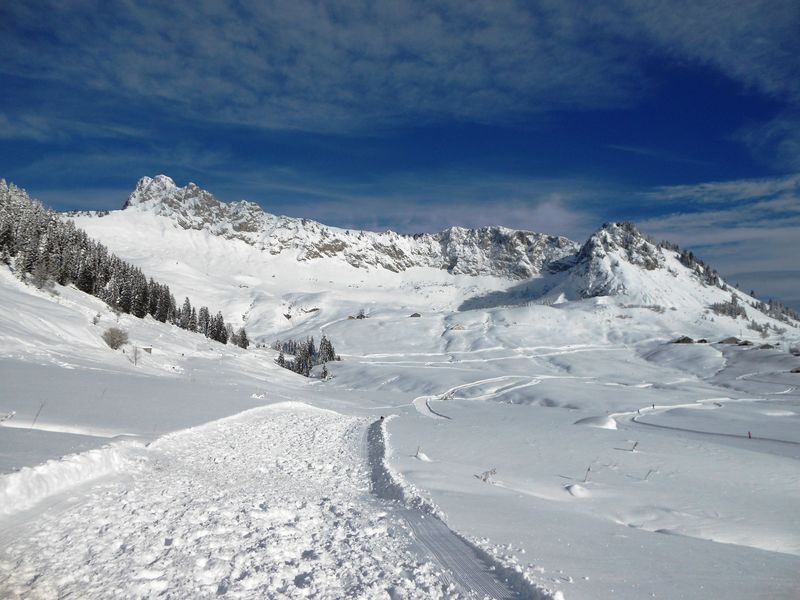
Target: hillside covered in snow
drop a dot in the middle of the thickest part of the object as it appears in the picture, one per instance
(512, 416)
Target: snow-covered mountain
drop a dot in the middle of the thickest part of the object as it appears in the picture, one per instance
(486, 251)
(255, 255)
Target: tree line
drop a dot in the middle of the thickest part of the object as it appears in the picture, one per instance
(42, 248)
(711, 277)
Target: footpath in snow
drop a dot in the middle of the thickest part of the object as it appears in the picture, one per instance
(274, 502)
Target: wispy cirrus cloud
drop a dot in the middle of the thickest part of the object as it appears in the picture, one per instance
(753, 42)
(776, 142)
(337, 66)
(728, 192)
(740, 227)
(655, 153)
(47, 128)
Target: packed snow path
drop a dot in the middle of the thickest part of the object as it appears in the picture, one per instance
(272, 503)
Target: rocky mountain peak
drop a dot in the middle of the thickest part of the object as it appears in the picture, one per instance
(150, 189)
(192, 207)
(624, 241)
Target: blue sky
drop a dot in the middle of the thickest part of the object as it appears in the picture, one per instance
(554, 116)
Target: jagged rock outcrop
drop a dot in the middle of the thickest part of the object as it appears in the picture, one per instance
(600, 266)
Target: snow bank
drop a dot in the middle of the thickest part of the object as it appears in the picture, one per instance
(386, 484)
(601, 422)
(30, 485)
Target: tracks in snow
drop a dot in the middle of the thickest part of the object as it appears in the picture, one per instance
(470, 570)
(271, 503)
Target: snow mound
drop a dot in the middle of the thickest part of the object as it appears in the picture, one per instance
(30, 485)
(577, 490)
(421, 456)
(601, 422)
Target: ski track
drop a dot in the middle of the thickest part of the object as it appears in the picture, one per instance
(422, 404)
(636, 420)
(471, 571)
(273, 503)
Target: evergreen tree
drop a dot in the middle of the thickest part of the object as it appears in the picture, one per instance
(203, 321)
(139, 295)
(153, 294)
(217, 330)
(241, 339)
(85, 281)
(185, 315)
(40, 276)
(221, 329)
(326, 351)
(162, 304)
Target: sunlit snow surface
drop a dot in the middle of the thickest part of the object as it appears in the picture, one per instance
(622, 465)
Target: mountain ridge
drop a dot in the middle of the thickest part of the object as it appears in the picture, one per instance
(493, 250)
(616, 260)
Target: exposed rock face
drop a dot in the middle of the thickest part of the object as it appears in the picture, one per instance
(602, 260)
(486, 251)
(624, 240)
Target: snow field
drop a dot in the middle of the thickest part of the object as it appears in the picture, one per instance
(272, 505)
(511, 380)
(592, 533)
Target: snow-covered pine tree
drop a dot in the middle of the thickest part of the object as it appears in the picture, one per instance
(185, 314)
(204, 321)
(153, 294)
(162, 304)
(326, 351)
(241, 338)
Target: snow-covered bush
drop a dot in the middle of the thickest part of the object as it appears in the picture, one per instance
(115, 337)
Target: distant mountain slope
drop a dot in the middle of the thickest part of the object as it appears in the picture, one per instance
(486, 251)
